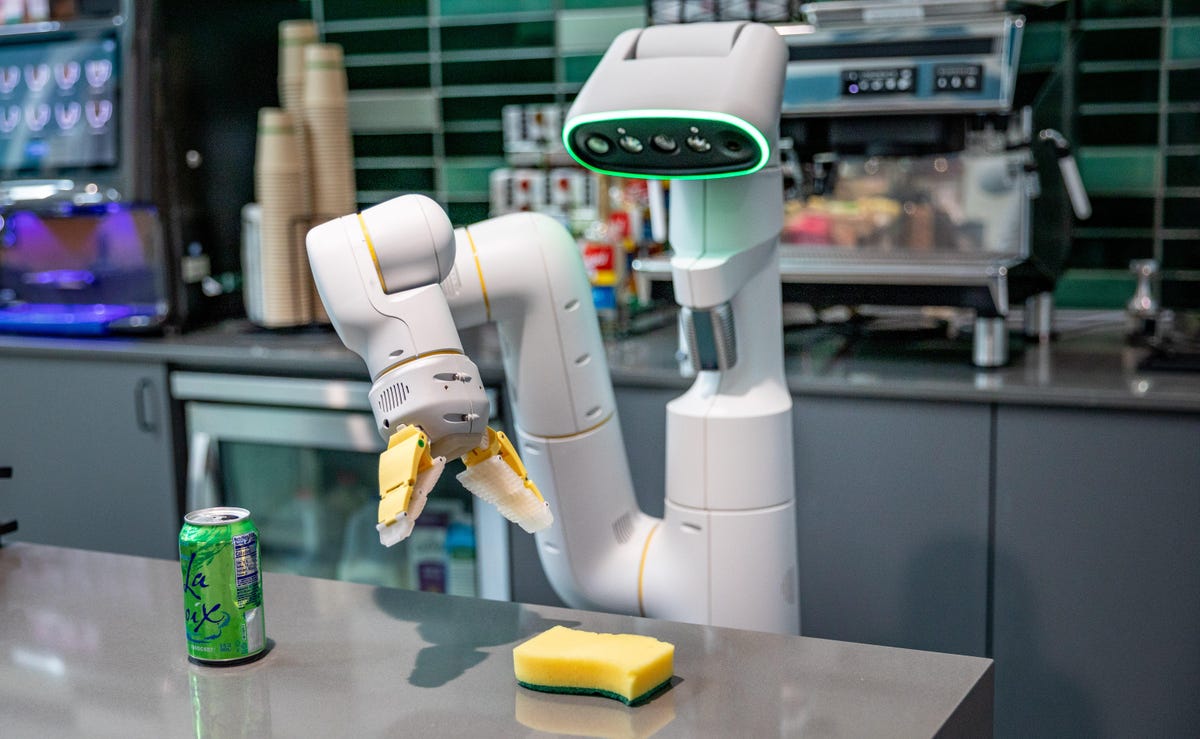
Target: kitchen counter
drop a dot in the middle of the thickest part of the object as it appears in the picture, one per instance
(1087, 365)
(94, 647)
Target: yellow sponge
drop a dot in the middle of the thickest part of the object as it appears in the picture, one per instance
(626, 667)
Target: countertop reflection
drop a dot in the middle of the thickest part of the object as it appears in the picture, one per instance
(93, 646)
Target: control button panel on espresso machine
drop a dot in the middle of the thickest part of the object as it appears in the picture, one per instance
(878, 81)
(960, 65)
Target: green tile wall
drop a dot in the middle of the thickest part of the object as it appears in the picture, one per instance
(474, 7)
(577, 68)
(1136, 89)
(358, 9)
(471, 59)
(1185, 40)
(1132, 76)
(1042, 45)
(1119, 170)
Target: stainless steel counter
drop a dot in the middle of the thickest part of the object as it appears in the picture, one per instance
(1087, 365)
(93, 646)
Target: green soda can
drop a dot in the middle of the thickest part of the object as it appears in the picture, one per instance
(222, 587)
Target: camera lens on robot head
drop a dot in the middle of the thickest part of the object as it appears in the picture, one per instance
(597, 144)
(631, 144)
(664, 143)
(698, 143)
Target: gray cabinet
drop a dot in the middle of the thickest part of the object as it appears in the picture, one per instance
(643, 413)
(1097, 573)
(892, 506)
(90, 444)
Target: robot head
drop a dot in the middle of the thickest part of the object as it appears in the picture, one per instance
(691, 101)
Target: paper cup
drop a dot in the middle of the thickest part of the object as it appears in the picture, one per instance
(276, 147)
(294, 35)
(324, 75)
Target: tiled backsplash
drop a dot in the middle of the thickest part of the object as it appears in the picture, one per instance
(429, 78)
(1136, 92)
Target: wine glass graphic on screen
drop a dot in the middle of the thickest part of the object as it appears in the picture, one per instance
(66, 74)
(36, 76)
(67, 115)
(98, 112)
(10, 77)
(98, 72)
(10, 118)
(37, 116)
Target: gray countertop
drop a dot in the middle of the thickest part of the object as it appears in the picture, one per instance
(1087, 365)
(93, 646)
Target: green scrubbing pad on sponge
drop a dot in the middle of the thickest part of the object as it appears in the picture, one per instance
(626, 667)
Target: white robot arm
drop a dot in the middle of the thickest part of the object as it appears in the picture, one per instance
(527, 271)
(378, 273)
(380, 270)
(697, 103)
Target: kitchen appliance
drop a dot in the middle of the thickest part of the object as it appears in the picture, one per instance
(93, 221)
(914, 172)
(301, 456)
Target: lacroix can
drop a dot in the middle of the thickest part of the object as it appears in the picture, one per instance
(222, 586)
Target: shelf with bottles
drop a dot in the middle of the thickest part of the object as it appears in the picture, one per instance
(608, 216)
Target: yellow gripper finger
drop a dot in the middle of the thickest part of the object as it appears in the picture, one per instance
(407, 471)
(499, 445)
(496, 475)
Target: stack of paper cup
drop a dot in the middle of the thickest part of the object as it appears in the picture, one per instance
(285, 297)
(330, 149)
(294, 37)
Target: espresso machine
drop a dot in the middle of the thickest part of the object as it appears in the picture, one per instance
(913, 172)
(94, 228)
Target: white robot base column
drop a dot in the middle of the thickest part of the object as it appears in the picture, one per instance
(734, 568)
(593, 552)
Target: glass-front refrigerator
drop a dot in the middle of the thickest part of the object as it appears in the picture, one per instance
(302, 455)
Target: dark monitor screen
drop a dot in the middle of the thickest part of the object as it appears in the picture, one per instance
(58, 106)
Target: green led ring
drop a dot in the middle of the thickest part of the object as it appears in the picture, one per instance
(702, 115)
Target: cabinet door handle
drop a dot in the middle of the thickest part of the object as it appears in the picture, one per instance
(145, 405)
